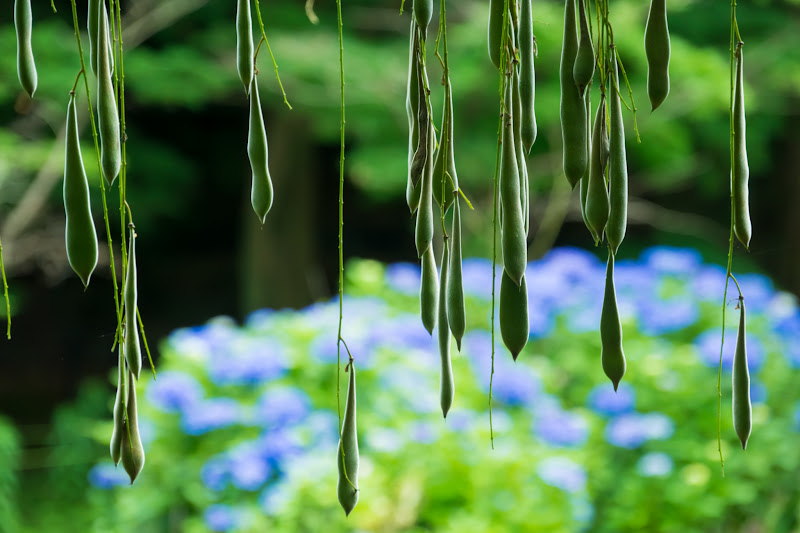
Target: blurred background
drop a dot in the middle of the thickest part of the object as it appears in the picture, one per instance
(240, 427)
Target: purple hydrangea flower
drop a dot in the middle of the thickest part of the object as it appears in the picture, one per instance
(174, 392)
(220, 517)
(248, 467)
(603, 400)
(561, 428)
(282, 406)
(107, 476)
(208, 415)
(562, 473)
(631, 430)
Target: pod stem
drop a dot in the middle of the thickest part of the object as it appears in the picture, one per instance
(117, 305)
(5, 294)
(269, 49)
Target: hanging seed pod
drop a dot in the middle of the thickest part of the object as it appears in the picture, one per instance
(445, 153)
(617, 166)
(120, 429)
(133, 351)
(585, 178)
(657, 50)
(456, 310)
(244, 43)
(527, 76)
(92, 27)
(429, 291)
(573, 107)
(515, 250)
(347, 451)
(446, 384)
(611, 355)
(261, 193)
(412, 109)
(423, 12)
(514, 325)
(80, 235)
(521, 164)
(132, 447)
(424, 229)
(423, 155)
(583, 70)
(596, 193)
(495, 31)
(741, 170)
(107, 114)
(26, 67)
(742, 409)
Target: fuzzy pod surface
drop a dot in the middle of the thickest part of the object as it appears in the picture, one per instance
(446, 383)
(741, 170)
(445, 156)
(423, 232)
(573, 106)
(244, 43)
(657, 51)
(261, 193)
(26, 67)
(132, 348)
(583, 70)
(132, 448)
(617, 167)
(527, 76)
(495, 33)
(597, 204)
(611, 354)
(423, 12)
(107, 113)
(456, 308)
(514, 245)
(742, 407)
(79, 232)
(120, 401)
(514, 325)
(347, 451)
(429, 291)
(412, 110)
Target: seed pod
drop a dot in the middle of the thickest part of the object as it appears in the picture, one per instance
(583, 70)
(424, 229)
(120, 402)
(495, 31)
(261, 193)
(456, 310)
(429, 291)
(446, 385)
(515, 250)
(26, 68)
(527, 76)
(423, 155)
(347, 451)
(611, 355)
(133, 351)
(132, 447)
(742, 409)
(514, 325)
(423, 12)
(107, 114)
(80, 235)
(92, 27)
(573, 107)
(244, 43)
(596, 193)
(741, 170)
(617, 166)
(412, 109)
(521, 164)
(657, 50)
(585, 178)
(445, 152)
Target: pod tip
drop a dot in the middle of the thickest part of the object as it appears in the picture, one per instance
(458, 344)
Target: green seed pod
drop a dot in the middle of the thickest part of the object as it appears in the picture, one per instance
(597, 205)
(527, 76)
(244, 43)
(120, 429)
(26, 68)
(412, 109)
(446, 151)
(521, 164)
(741, 170)
(515, 249)
(456, 310)
(132, 447)
(80, 235)
(429, 291)
(514, 325)
(92, 27)
(347, 451)
(423, 12)
(133, 350)
(446, 385)
(657, 50)
(585, 178)
(742, 409)
(573, 107)
(583, 70)
(617, 167)
(261, 193)
(423, 155)
(496, 31)
(424, 229)
(611, 355)
(107, 114)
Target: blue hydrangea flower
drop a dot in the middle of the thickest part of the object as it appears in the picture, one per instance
(758, 291)
(758, 392)
(359, 338)
(275, 497)
(248, 361)
(462, 420)
(603, 400)
(654, 464)
(631, 430)
(707, 344)
(208, 415)
(220, 517)
(424, 432)
(260, 319)
(281, 406)
(562, 473)
(106, 476)
(385, 440)
(174, 392)
(514, 383)
(319, 428)
(404, 331)
(215, 473)
(413, 388)
(278, 446)
(708, 283)
(658, 316)
(672, 260)
(201, 343)
(404, 277)
(248, 467)
(477, 277)
(561, 428)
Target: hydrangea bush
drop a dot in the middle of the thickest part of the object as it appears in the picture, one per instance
(241, 425)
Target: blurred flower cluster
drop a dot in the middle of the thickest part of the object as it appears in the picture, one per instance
(241, 424)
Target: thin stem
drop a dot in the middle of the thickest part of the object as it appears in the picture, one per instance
(275, 63)
(5, 293)
(144, 338)
(630, 93)
(341, 208)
